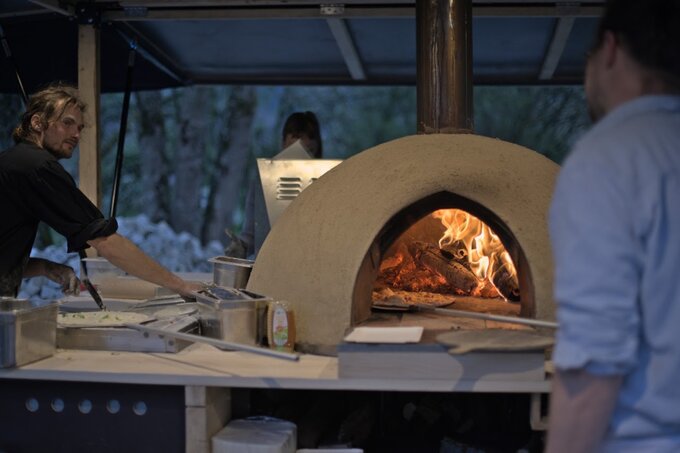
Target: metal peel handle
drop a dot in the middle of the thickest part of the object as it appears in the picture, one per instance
(490, 317)
(217, 343)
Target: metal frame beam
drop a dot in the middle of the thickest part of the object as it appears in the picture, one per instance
(152, 53)
(556, 48)
(148, 11)
(347, 47)
(53, 6)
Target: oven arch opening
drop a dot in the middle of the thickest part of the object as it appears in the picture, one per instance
(416, 222)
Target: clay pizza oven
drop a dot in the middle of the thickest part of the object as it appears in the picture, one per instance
(324, 253)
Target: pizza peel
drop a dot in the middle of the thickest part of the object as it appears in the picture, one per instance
(494, 340)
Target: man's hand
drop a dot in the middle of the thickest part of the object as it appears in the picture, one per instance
(64, 276)
(189, 287)
(58, 273)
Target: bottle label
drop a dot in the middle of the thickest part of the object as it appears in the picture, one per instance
(280, 327)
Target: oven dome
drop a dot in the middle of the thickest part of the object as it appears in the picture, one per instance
(318, 251)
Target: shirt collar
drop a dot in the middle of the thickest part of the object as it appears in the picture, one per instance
(639, 105)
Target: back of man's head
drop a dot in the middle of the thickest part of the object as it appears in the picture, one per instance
(650, 31)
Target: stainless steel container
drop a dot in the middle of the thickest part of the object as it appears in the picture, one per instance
(28, 331)
(125, 339)
(232, 315)
(231, 272)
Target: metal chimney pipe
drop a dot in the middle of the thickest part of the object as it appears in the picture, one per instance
(444, 65)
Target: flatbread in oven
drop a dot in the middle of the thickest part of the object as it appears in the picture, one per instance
(101, 319)
(399, 300)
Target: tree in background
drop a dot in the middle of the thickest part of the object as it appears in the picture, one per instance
(190, 152)
(12, 106)
(181, 152)
(152, 109)
(227, 168)
(545, 119)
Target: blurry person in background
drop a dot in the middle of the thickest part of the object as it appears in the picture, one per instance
(34, 188)
(302, 126)
(615, 229)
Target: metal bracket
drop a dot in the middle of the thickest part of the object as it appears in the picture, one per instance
(136, 11)
(332, 9)
(88, 13)
(567, 9)
(538, 416)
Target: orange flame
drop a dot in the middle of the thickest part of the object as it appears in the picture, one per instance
(484, 250)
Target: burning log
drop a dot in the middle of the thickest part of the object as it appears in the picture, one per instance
(455, 273)
(458, 252)
(507, 284)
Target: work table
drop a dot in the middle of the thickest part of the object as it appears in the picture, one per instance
(204, 365)
(190, 392)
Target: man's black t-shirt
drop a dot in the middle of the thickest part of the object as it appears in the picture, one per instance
(34, 187)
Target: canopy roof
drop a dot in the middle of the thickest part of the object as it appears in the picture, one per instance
(286, 42)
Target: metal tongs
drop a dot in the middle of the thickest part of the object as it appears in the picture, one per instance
(88, 284)
(160, 301)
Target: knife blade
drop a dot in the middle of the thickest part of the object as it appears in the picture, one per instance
(88, 284)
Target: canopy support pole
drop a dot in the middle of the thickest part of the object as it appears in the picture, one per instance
(123, 129)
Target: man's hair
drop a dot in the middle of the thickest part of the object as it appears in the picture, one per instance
(301, 124)
(649, 30)
(49, 103)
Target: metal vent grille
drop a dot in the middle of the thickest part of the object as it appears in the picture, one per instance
(288, 187)
(284, 179)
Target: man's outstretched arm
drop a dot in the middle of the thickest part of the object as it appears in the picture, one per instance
(122, 253)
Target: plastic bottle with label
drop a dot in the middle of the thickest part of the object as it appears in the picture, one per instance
(281, 326)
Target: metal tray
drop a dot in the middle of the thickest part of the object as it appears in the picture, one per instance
(27, 331)
(125, 339)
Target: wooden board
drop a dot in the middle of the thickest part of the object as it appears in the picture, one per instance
(432, 361)
(205, 365)
(464, 341)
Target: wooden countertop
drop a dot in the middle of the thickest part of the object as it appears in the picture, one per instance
(204, 365)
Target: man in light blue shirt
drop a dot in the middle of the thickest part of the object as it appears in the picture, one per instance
(615, 229)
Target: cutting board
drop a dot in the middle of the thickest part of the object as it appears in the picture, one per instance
(496, 340)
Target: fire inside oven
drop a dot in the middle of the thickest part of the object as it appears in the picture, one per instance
(449, 258)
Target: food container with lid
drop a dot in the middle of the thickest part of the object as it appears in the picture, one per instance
(231, 272)
(28, 331)
(231, 314)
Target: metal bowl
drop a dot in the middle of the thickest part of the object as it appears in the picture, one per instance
(231, 272)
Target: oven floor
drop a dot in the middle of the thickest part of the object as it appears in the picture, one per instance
(434, 323)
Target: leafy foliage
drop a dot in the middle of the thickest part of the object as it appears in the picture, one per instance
(545, 119)
(184, 145)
